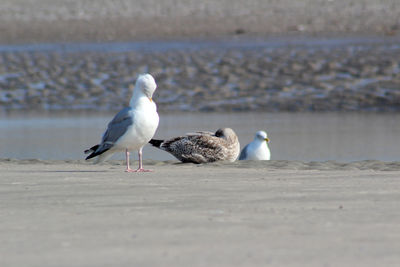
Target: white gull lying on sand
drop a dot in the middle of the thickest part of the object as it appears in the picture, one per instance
(202, 147)
(257, 149)
(132, 127)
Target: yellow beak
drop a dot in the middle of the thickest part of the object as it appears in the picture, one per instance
(151, 100)
(267, 139)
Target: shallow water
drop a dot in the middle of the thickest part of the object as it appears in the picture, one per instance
(207, 44)
(294, 136)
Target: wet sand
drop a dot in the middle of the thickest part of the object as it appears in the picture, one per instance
(63, 213)
(281, 74)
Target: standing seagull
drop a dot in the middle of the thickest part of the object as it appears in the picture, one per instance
(202, 147)
(257, 149)
(132, 127)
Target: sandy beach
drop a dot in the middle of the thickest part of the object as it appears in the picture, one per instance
(63, 213)
(27, 21)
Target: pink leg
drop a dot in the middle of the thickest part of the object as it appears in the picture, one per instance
(140, 169)
(128, 169)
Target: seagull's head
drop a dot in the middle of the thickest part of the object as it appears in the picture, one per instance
(146, 84)
(227, 134)
(261, 136)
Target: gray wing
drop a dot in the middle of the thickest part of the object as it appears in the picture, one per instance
(117, 127)
(243, 154)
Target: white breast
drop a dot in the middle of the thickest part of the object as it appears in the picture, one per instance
(258, 151)
(145, 123)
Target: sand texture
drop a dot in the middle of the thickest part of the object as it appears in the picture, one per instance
(69, 213)
(101, 20)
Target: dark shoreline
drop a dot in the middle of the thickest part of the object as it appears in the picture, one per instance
(281, 74)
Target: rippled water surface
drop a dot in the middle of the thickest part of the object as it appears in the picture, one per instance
(294, 136)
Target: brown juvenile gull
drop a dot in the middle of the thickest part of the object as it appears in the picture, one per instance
(202, 147)
(132, 127)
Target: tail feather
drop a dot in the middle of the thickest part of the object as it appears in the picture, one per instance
(155, 142)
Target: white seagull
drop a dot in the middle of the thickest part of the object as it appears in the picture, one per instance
(132, 127)
(257, 149)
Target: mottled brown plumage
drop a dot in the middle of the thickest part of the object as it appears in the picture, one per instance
(202, 147)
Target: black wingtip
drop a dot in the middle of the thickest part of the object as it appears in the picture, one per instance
(92, 150)
(156, 142)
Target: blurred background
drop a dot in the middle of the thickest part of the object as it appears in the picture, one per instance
(127, 20)
(321, 77)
